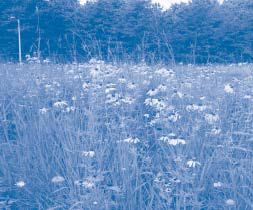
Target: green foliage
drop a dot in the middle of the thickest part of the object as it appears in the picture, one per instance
(202, 31)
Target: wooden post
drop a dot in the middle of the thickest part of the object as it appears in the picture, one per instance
(19, 43)
(38, 31)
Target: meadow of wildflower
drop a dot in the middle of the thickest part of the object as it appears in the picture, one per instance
(107, 136)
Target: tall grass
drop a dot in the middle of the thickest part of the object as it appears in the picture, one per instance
(102, 136)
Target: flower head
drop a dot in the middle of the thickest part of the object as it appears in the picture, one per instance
(131, 140)
(57, 179)
(43, 110)
(20, 184)
(173, 142)
(217, 184)
(60, 104)
(230, 202)
(88, 153)
(192, 163)
(211, 118)
(88, 184)
(228, 88)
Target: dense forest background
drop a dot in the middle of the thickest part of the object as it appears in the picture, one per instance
(202, 31)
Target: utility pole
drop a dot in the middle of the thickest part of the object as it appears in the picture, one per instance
(19, 43)
(19, 39)
(38, 31)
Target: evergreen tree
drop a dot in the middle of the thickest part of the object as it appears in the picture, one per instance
(195, 29)
(199, 32)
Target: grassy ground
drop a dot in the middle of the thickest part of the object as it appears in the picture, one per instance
(100, 136)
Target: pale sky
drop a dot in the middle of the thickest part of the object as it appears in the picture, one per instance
(167, 3)
(164, 3)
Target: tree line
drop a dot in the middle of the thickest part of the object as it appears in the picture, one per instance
(202, 31)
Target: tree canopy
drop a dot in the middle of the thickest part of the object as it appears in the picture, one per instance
(202, 31)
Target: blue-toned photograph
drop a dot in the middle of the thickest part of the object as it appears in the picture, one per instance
(126, 104)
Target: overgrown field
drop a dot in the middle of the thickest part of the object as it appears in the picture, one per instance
(100, 136)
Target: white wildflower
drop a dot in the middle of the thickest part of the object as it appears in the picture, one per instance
(70, 71)
(116, 103)
(195, 107)
(60, 104)
(230, 202)
(191, 107)
(97, 86)
(46, 61)
(228, 88)
(160, 88)
(88, 184)
(148, 101)
(47, 86)
(69, 109)
(174, 117)
(202, 108)
(57, 179)
(74, 98)
(188, 85)
(217, 184)
(165, 72)
(157, 179)
(94, 61)
(202, 98)
(128, 100)
(146, 82)
(192, 163)
(78, 182)
(122, 80)
(249, 78)
(95, 72)
(173, 142)
(85, 85)
(215, 131)
(43, 110)
(112, 99)
(146, 115)
(88, 153)
(143, 72)
(164, 138)
(110, 85)
(110, 89)
(177, 180)
(131, 85)
(156, 103)
(154, 121)
(211, 118)
(247, 97)
(131, 140)
(95, 203)
(20, 184)
(77, 76)
(152, 92)
(180, 95)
